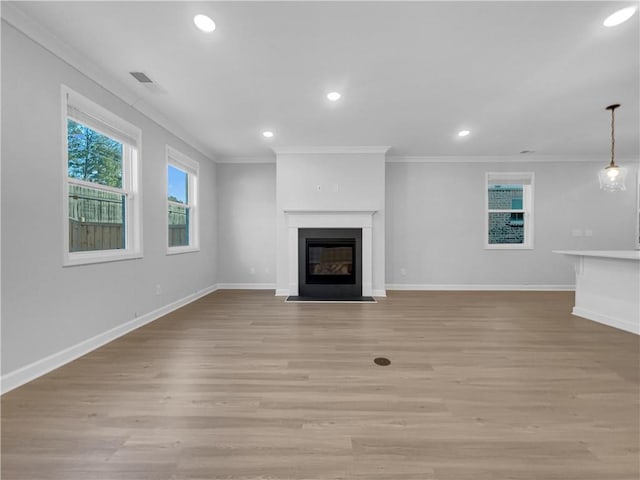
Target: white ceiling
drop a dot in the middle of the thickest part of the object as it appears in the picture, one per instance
(519, 75)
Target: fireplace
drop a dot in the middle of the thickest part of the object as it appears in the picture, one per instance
(325, 224)
(330, 262)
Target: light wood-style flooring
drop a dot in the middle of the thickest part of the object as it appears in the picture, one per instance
(239, 385)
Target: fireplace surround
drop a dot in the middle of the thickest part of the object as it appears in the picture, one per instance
(323, 219)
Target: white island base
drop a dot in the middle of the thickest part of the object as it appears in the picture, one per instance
(608, 287)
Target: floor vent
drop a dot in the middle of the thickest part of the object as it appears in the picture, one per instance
(383, 362)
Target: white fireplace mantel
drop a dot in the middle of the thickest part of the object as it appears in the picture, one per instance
(363, 219)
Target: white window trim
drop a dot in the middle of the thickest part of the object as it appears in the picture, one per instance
(638, 211)
(179, 160)
(527, 210)
(131, 184)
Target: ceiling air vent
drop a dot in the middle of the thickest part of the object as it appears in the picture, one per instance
(141, 77)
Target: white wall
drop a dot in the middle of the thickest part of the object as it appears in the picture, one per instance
(47, 308)
(347, 181)
(247, 225)
(435, 222)
(436, 215)
(431, 219)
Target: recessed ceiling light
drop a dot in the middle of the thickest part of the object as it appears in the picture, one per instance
(463, 133)
(204, 23)
(620, 16)
(267, 134)
(333, 96)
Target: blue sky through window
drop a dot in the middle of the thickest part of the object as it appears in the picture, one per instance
(177, 188)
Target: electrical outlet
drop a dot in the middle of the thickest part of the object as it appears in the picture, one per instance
(403, 271)
(576, 232)
(588, 233)
(158, 289)
(252, 271)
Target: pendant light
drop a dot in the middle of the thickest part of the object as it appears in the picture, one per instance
(612, 176)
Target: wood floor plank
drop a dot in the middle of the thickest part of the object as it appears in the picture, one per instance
(240, 385)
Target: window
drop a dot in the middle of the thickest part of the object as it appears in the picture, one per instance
(101, 206)
(509, 210)
(182, 203)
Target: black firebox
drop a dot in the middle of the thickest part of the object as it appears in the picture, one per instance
(330, 262)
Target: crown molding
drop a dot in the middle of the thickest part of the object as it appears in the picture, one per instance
(15, 17)
(501, 159)
(380, 150)
(444, 159)
(245, 160)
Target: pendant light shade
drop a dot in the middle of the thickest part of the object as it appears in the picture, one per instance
(612, 177)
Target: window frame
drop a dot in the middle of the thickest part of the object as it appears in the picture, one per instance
(182, 162)
(131, 187)
(638, 210)
(513, 178)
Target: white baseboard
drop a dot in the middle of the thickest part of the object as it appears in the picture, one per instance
(246, 286)
(478, 287)
(45, 365)
(619, 323)
(379, 293)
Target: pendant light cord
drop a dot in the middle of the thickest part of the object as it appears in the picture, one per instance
(613, 137)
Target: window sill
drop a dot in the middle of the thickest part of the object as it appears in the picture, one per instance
(179, 250)
(105, 256)
(508, 246)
